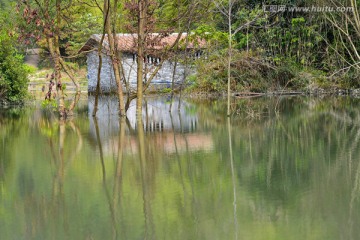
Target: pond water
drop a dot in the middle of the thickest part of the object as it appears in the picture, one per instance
(281, 168)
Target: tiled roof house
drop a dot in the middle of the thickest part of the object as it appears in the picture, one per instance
(127, 43)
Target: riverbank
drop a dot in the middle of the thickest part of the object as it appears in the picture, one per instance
(253, 72)
(39, 80)
(312, 92)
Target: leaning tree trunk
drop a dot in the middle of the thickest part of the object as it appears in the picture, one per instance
(100, 48)
(59, 64)
(57, 74)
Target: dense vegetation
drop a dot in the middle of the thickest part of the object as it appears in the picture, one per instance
(300, 49)
(13, 73)
(292, 48)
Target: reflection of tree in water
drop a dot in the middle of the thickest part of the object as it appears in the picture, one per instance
(147, 166)
(296, 170)
(148, 157)
(38, 210)
(11, 127)
(304, 154)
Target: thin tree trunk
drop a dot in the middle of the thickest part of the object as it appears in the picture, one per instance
(118, 55)
(69, 72)
(97, 91)
(229, 61)
(114, 58)
(140, 53)
(100, 47)
(173, 84)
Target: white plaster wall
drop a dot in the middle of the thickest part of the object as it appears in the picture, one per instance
(108, 84)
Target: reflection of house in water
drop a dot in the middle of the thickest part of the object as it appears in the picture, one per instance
(164, 142)
(157, 121)
(155, 116)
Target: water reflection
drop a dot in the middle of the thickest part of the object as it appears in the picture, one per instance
(156, 119)
(155, 116)
(289, 173)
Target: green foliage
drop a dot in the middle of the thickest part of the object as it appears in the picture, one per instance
(13, 72)
(296, 41)
(287, 44)
(243, 16)
(249, 73)
(166, 90)
(30, 69)
(85, 22)
(49, 104)
(292, 51)
(213, 37)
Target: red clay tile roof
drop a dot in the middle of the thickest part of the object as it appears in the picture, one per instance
(128, 42)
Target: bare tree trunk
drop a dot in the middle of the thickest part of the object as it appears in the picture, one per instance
(118, 55)
(97, 91)
(140, 52)
(173, 84)
(229, 60)
(69, 72)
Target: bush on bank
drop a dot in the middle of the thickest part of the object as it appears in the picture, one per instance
(250, 71)
(13, 72)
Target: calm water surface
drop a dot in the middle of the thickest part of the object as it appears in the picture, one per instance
(285, 168)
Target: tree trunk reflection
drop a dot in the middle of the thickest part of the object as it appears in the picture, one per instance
(106, 189)
(145, 172)
(233, 177)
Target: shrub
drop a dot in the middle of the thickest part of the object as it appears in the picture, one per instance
(13, 72)
(249, 72)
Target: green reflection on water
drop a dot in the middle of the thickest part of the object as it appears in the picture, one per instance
(292, 172)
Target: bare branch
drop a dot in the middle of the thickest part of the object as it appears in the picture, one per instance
(221, 8)
(357, 65)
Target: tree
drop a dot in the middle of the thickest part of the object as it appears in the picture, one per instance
(43, 20)
(347, 32)
(142, 21)
(109, 15)
(146, 17)
(229, 9)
